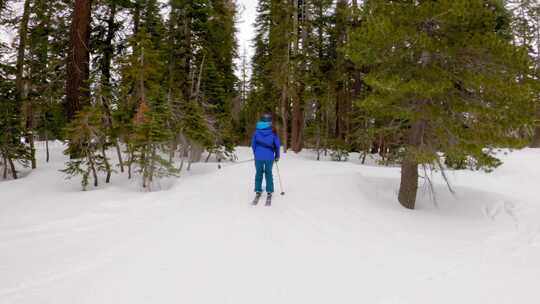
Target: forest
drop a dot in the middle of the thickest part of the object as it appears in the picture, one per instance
(427, 85)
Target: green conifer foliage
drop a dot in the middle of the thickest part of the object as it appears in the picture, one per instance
(263, 96)
(526, 28)
(149, 132)
(445, 74)
(87, 135)
(12, 148)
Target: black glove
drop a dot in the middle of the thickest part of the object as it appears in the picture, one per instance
(276, 159)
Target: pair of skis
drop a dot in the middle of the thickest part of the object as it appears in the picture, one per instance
(258, 197)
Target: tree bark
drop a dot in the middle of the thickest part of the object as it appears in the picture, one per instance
(187, 57)
(130, 162)
(196, 153)
(107, 165)
(297, 127)
(535, 142)
(47, 146)
(108, 54)
(342, 8)
(93, 169)
(23, 34)
(297, 123)
(536, 135)
(284, 116)
(119, 154)
(20, 83)
(77, 90)
(409, 167)
(5, 164)
(12, 166)
(409, 181)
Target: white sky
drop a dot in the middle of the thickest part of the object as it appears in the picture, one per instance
(247, 10)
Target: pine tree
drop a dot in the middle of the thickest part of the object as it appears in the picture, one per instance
(279, 42)
(22, 81)
(218, 81)
(87, 135)
(12, 149)
(78, 68)
(263, 95)
(106, 45)
(445, 72)
(143, 75)
(526, 26)
(202, 84)
(319, 63)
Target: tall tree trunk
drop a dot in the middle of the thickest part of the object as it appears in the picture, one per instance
(337, 124)
(297, 127)
(12, 166)
(21, 84)
(107, 164)
(130, 161)
(23, 34)
(294, 74)
(30, 134)
(415, 139)
(47, 146)
(297, 123)
(93, 169)
(409, 167)
(136, 17)
(536, 136)
(5, 164)
(108, 51)
(409, 181)
(535, 143)
(119, 154)
(77, 89)
(284, 116)
(341, 27)
(187, 57)
(196, 153)
(108, 54)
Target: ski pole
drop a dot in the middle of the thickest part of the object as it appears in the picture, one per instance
(236, 162)
(279, 178)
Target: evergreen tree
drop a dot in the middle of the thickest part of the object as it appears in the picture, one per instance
(218, 81)
(446, 73)
(526, 25)
(12, 149)
(143, 74)
(87, 135)
(77, 82)
(263, 96)
(202, 84)
(320, 53)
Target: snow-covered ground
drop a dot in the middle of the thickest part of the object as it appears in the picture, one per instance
(337, 236)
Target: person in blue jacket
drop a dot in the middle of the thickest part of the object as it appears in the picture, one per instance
(265, 144)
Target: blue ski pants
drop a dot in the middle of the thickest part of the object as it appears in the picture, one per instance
(264, 168)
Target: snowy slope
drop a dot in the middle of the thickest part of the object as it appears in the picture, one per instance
(338, 236)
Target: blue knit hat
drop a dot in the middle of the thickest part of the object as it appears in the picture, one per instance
(266, 117)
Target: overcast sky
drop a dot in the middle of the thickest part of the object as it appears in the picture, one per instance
(247, 10)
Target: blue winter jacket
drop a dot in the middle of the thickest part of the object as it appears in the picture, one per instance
(265, 143)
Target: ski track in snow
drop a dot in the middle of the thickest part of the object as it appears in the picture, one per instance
(337, 236)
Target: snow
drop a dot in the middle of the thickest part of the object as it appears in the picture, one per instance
(337, 236)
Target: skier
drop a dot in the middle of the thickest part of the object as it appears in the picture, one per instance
(265, 144)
